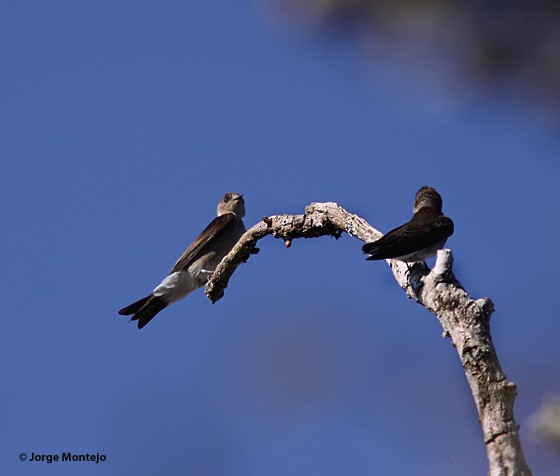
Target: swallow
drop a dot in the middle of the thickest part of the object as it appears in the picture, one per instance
(197, 263)
(421, 237)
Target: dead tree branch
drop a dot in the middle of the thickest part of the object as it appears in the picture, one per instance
(465, 320)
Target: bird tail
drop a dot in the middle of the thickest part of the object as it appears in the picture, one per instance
(134, 307)
(144, 310)
(375, 251)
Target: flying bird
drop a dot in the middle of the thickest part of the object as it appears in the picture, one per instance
(418, 239)
(197, 263)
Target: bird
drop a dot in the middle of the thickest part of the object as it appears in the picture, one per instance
(197, 263)
(418, 239)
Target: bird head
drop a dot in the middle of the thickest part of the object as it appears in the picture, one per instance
(232, 202)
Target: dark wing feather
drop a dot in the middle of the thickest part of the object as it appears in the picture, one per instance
(423, 230)
(197, 247)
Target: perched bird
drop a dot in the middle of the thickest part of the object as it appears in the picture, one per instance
(197, 263)
(421, 237)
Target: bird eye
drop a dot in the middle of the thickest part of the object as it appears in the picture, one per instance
(226, 199)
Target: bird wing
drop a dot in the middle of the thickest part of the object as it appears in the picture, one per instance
(415, 235)
(200, 246)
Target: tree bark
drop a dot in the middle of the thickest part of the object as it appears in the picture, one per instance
(465, 320)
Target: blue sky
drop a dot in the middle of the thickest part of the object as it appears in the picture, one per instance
(122, 126)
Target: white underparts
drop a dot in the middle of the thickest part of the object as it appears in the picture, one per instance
(176, 286)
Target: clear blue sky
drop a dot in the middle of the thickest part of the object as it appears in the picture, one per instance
(122, 125)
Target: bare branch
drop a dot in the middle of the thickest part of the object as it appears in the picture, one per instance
(320, 219)
(465, 320)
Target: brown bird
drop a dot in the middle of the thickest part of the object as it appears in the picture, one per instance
(418, 239)
(197, 263)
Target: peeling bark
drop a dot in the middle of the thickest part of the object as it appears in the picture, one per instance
(465, 320)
